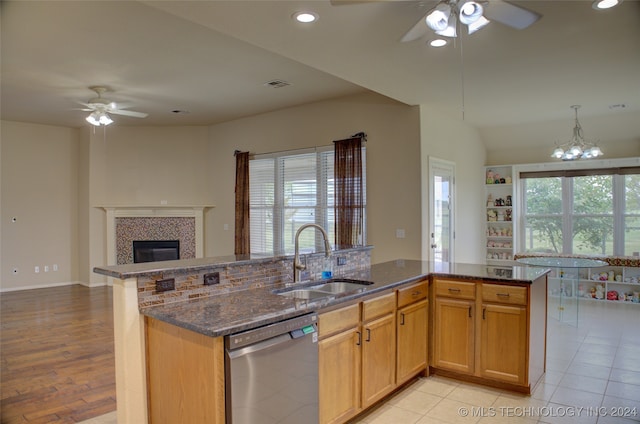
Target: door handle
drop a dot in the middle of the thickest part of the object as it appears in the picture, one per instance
(434, 246)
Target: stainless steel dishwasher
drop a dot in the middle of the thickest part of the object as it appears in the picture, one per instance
(272, 373)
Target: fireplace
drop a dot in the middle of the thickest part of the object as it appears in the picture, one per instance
(128, 223)
(155, 250)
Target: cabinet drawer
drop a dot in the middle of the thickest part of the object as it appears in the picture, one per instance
(456, 289)
(338, 320)
(379, 306)
(412, 293)
(513, 295)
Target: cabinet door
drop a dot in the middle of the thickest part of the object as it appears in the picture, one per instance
(339, 376)
(412, 340)
(453, 335)
(503, 343)
(378, 358)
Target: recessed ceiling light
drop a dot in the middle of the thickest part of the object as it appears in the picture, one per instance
(438, 42)
(605, 4)
(305, 17)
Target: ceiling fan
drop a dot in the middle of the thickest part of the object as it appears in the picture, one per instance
(443, 17)
(100, 108)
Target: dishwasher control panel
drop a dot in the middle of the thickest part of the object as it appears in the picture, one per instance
(296, 327)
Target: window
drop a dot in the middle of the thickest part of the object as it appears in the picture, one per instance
(582, 212)
(287, 190)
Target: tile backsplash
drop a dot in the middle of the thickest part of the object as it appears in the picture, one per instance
(244, 275)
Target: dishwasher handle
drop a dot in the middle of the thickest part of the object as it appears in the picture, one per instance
(256, 347)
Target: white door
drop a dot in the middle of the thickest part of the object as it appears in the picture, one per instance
(441, 210)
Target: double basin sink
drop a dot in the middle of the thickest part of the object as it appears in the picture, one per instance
(324, 289)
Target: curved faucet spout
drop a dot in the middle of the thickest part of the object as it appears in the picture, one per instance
(297, 265)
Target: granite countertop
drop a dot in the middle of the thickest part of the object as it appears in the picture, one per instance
(135, 270)
(232, 312)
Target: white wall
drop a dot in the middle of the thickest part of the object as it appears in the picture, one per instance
(40, 189)
(451, 139)
(393, 164)
(54, 179)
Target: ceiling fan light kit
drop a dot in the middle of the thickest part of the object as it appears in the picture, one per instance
(98, 118)
(577, 147)
(443, 18)
(100, 109)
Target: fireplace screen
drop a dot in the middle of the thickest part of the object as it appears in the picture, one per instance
(155, 250)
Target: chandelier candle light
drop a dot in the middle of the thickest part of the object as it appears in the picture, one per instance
(577, 147)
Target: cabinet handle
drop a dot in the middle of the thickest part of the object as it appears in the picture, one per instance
(469, 311)
(454, 290)
(483, 311)
(401, 318)
(502, 294)
(359, 342)
(368, 339)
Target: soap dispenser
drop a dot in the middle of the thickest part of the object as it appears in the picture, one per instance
(327, 268)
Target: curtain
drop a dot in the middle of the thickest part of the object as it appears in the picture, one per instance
(242, 241)
(349, 200)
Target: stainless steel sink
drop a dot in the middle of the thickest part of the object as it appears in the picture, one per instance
(325, 289)
(306, 294)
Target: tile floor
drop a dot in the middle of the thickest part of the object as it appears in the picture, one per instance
(592, 369)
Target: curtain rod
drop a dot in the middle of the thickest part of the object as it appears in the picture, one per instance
(361, 135)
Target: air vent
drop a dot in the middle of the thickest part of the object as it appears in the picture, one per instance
(276, 83)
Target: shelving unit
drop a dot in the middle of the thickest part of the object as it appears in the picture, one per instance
(499, 215)
(585, 285)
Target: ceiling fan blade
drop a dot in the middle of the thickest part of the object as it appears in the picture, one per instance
(128, 113)
(419, 30)
(509, 14)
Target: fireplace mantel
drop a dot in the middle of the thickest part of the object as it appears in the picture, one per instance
(160, 211)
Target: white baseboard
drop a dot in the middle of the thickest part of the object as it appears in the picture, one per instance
(52, 285)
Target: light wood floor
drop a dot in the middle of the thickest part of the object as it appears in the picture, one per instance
(56, 355)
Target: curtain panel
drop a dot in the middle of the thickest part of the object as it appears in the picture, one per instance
(242, 236)
(349, 191)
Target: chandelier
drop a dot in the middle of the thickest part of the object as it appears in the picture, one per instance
(443, 18)
(577, 147)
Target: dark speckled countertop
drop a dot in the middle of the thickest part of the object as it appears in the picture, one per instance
(241, 310)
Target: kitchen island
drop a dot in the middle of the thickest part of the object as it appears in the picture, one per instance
(204, 321)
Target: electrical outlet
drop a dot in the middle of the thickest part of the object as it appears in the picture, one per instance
(341, 260)
(36, 269)
(46, 268)
(211, 278)
(165, 285)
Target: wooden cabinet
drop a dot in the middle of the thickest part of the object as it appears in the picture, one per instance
(503, 343)
(454, 326)
(357, 357)
(185, 372)
(503, 333)
(412, 320)
(490, 333)
(339, 364)
(378, 348)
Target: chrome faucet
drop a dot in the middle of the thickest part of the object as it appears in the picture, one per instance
(297, 265)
